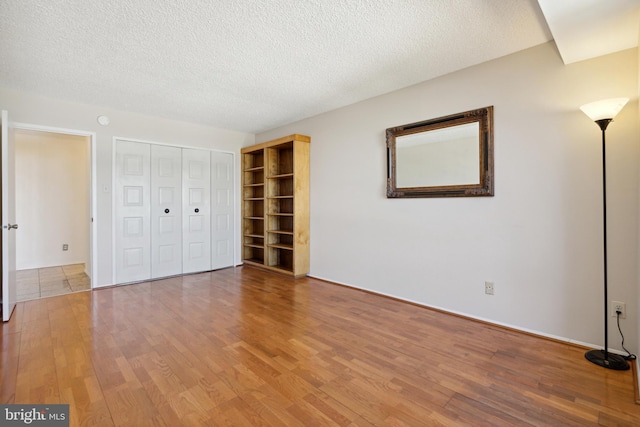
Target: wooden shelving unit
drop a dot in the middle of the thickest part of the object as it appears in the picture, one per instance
(253, 206)
(275, 205)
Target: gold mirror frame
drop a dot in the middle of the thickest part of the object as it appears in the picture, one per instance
(484, 118)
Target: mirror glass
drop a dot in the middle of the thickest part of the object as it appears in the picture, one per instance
(442, 157)
(447, 156)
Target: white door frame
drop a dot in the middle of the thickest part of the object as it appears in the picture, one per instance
(93, 244)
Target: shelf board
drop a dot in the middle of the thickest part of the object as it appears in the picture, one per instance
(254, 217)
(280, 197)
(281, 246)
(261, 236)
(289, 232)
(282, 267)
(281, 176)
(256, 261)
(253, 245)
(280, 214)
(259, 184)
(255, 199)
(254, 169)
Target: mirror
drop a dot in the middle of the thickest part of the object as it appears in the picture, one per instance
(444, 157)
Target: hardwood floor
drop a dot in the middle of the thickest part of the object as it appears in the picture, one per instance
(244, 347)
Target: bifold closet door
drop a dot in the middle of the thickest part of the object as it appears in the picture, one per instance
(221, 210)
(169, 201)
(132, 215)
(166, 211)
(196, 210)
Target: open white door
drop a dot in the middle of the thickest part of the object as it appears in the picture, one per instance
(9, 225)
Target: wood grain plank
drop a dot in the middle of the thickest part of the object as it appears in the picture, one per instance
(248, 347)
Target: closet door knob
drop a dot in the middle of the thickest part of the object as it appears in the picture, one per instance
(196, 210)
(166, 211)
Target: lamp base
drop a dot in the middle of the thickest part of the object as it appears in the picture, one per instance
(611, 361)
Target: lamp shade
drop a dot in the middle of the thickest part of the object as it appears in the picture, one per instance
(604, 109)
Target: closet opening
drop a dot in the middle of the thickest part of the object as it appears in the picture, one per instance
(173, 210)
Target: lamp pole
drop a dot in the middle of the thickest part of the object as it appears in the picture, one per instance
(603, 357)
(603, 125)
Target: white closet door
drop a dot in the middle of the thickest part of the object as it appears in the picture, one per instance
(196, 210)
(221, 210)
(166, 211)
(133, 260)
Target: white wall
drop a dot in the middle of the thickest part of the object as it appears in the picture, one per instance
(539, 239)
(53, 177)
(41, 111)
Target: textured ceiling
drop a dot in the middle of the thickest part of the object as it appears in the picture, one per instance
(249, 65)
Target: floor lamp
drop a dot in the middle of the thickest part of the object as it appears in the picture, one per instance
(603, 112)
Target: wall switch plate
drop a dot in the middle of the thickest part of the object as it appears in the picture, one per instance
(488, 288)
(65, 247)
(619, 306)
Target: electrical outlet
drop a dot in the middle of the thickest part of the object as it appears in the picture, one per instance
(619, 306)
(488, 288)
(65, 247)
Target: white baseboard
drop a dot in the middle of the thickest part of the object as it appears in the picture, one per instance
(471, 316)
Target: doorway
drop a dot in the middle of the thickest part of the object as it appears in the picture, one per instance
(53, 202)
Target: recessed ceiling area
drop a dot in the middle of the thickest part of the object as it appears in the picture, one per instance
(255, 65)
(584, 29)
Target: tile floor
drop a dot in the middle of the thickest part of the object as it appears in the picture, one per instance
(49, 281)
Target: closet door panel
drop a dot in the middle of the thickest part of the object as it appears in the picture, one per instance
(132, 219)
(222, 218)
(166, 211)
(196, 210)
